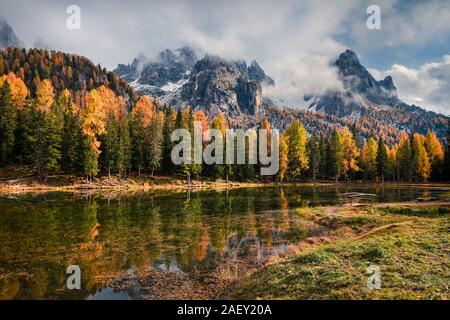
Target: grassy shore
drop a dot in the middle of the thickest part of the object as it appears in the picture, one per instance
(410, 244)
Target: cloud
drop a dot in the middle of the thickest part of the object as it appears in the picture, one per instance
(295, 41)
(427, 86)
(413, 23)
(292, 40)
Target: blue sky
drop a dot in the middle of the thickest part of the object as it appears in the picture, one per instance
(293, 40)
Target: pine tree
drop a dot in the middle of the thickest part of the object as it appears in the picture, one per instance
(24, 133)
(446, 167)
(382, 160)
(7, 123)
(52, 138)
(90, 158)
(155, 137)
(314, 153)
(167, 164)
(71, 137)
(217, 171)
(124, 150)
(336, 156)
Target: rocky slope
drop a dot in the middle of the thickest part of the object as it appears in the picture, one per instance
(8, 37)
(211, 84)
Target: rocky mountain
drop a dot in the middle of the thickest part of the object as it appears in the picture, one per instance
(361, 93)
(8, 37)
(212, 84)
(364, 98)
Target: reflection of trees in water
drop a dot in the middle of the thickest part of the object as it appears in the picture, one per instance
(109, 234)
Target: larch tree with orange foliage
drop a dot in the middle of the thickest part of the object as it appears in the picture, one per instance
(420, 158)
(435, 152)
(19, 90)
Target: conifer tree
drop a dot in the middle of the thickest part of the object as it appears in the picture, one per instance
(124, 149)
(155, 136)
(382, 160)
(314, 157)
(7, 123)
(336, 156)
(167, 164)
(446, 167)
(24, 133)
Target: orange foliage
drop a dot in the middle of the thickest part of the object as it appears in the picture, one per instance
(19, 90)
(145, 110)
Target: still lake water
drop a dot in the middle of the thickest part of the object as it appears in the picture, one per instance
(113, 235)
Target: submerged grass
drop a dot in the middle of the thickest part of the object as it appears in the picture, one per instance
(413, 257)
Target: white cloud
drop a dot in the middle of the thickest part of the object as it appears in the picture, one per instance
(295, 41)
(404, 23)
(427, 86)
(292, 40)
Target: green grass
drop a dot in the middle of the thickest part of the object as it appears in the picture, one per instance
(413, 258)
(419, 212)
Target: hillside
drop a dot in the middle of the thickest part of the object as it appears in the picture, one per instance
(65, 71)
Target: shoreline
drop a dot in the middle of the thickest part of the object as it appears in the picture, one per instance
(144, 183)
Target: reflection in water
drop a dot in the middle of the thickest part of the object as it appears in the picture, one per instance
(113, 236)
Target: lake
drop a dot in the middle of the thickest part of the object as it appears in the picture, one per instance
(155, 245)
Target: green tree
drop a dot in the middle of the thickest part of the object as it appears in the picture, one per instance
(7, 123)
(336, 156)
(24, 133)
(90, 158)
(314, 153)
(155, 138)
(71, 137)
(124, 149)
(167, 164)
(382, 160)
(446, 167)
(296, 139)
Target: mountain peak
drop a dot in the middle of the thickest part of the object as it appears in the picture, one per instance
(348, 57)
(8, 37)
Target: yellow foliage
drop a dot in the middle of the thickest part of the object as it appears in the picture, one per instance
(19, 90)
(45, 95)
